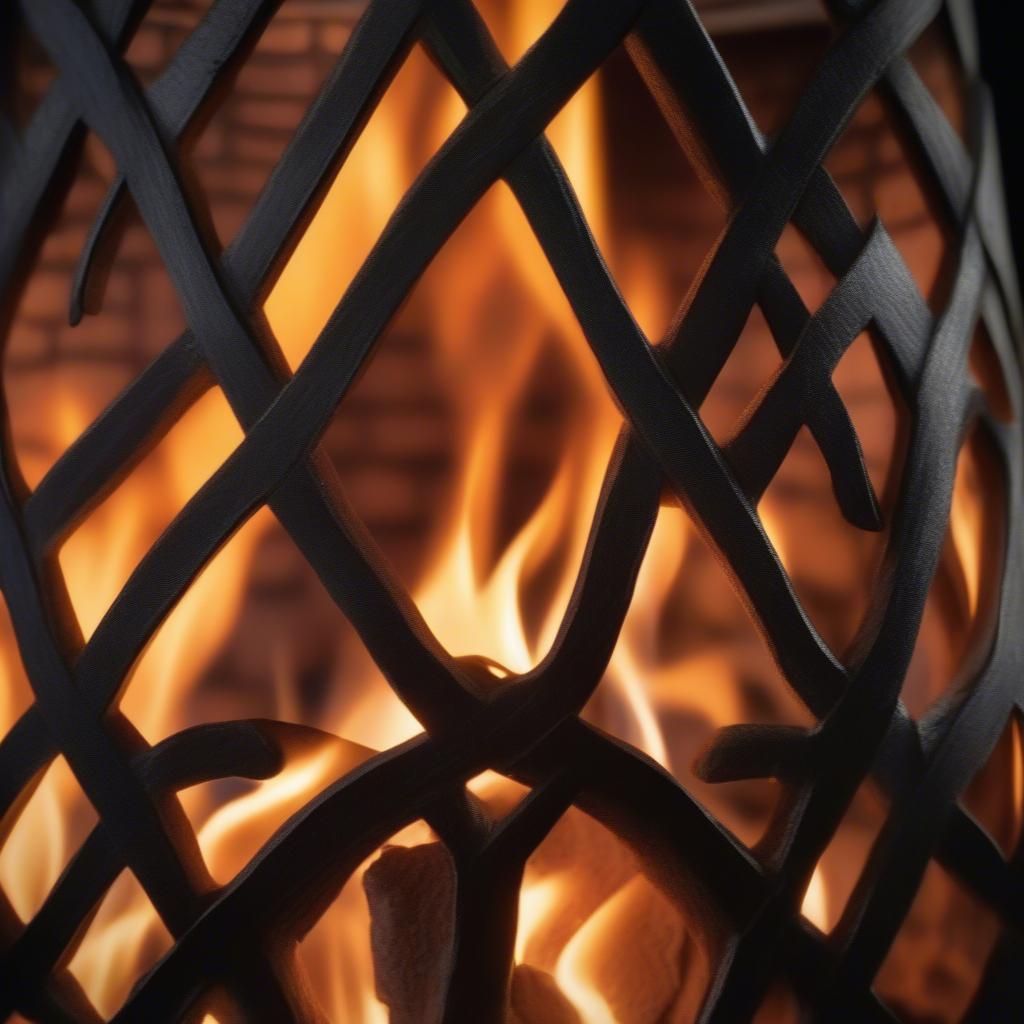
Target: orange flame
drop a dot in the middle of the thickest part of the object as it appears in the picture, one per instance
(815, 906)
(967, 522)
(473, 591)
(494, 314)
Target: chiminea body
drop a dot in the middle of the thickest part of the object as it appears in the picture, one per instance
(511, 512)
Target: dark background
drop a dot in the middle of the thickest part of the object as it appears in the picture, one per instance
(1001, 58)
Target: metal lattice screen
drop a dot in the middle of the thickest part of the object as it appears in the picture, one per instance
(742, 904)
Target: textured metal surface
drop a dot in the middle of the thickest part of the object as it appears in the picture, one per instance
(742, 905)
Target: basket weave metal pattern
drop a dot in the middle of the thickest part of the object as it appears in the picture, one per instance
(743, 906)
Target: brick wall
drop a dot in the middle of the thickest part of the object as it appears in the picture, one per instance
(228, 161)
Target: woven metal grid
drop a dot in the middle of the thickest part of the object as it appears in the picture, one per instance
(742, 905)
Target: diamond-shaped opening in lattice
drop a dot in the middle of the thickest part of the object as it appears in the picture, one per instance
(394, 920)
(689, 661)
(43, 837)
(278, 648)
(831, 562)
(16, 695)
(122, 941)
(805, 267)
(842, 863)
(414, 117)
(474, 444)
(958, 617)
(770, 64)
(595, 939)
(751, 364)
(936, 61)
(28, 73)
(653, 217)
(995, 796)
(177, 680)
(989, 373)
(867, 387)
(238, 137)
(97, 558)
(936, 962)
(233, 820)
(392, 441)
(879, 175)
(498, 794)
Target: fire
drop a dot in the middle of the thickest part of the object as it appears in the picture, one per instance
(815, 906)
(27, 871)
(537, 900)
(494, 313)
(479, 591)
(572, 970)
(967, 521)
(95, 561)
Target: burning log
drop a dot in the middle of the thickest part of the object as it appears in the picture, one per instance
(604, 929)
(411, 893)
